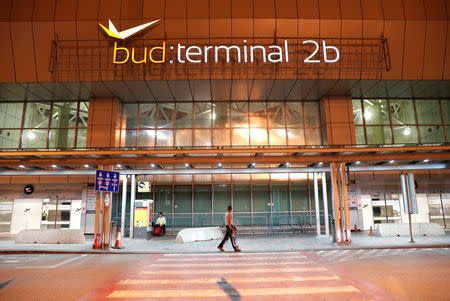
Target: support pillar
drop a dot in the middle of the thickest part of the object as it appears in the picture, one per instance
(133, 198)
(316, 203)
(340, 202)
(325, 203)
(124, 204)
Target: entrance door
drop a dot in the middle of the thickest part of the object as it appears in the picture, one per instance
(26, 215)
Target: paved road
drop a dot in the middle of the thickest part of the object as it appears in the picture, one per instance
(389, 274)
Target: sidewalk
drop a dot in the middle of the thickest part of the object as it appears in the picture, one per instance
(256, 243)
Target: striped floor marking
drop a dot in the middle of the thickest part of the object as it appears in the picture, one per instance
(234, 258)
(231, 271)
(230, 280)
(230, 264)
(231, 254)
(243, 292)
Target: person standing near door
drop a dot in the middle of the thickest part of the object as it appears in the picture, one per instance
(231, 232)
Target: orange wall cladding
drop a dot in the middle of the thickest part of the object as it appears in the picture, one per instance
(417, 31)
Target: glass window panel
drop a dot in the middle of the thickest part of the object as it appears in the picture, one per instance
(147, 115)
(166, 115)
(432, 133)
(239, 114)
(280, 197)
(164, 138)
(163, 198)
(81, 138)
(240, 136)
(405, 134)
(64, 114)
(312, 118)
(360, 135)
(221, 114)
(296, 136)
(62, 138)
(183, 137)
(299, 196)
(184, 115)
(429, 111)
(202, 115)
(261, 197)
(202, 137)
(448, 133)
(221, 137)
(402, 111)
(183, 199)
(130, 138)
(9, 138)
(202, 199)
(241, 198)
(83, 113)
(258, 136)
(130, 111)
(275, 112)
(357, 111)
(277, 137)
(258, 117)
(376, 111)
(294, 114)
(11, 115)
(222, 197)
(446, 110)
(313, 136)
(37, 114)
(34, 138)
(146, 138)
(379, 135)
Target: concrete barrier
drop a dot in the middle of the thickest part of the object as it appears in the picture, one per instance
(50, 236)
(418, 229)
(198, 234)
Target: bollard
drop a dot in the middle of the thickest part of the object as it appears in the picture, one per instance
(333, 229)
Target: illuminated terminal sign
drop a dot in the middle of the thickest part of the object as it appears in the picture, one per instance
(196, 54)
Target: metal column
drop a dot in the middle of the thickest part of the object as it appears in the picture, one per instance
(325, 203)
(316, 203)
(124, 204)
(133, 198)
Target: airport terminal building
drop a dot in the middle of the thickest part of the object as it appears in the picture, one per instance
(276, 107)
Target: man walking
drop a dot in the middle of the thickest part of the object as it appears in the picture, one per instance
(231, 232)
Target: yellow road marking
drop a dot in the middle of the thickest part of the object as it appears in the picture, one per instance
(232, 271)
(232, 264)
(244, 292)
(233, 258)
(230, 280)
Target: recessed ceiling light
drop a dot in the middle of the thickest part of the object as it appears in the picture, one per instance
(21, 166)
(426, 160)
(153, 165)
(357, 162)
(186, 164)
(219, 165)
(119, 166)
(320, 163)
(287, 164)
(86, 166)
(54, 166)
(253, 164)
(392, 161)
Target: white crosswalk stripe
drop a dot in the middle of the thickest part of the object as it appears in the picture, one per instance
(350, 255)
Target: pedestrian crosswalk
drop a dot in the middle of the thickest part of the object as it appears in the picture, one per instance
(219, 276)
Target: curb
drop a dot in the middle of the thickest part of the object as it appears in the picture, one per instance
(108, 252)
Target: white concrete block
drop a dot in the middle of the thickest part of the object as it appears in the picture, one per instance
(418, 229)
(50, 236)
(198, 234)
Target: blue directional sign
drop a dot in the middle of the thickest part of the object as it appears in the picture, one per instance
(106, 180)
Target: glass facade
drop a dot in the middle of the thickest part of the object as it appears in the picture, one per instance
(43, 125)
(401, 121)
(205, 124)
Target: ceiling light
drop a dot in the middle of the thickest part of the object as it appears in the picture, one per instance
(119, 166)
(287, 164)
(86, 166)
(407, 132)
(426, 160)
(153, 165)
(219, 165)
(54, 166)
(253, 164)
(31, 135)
(367, 115)
(357, 162)
(392, 161)
(320, 163)
(21, 166)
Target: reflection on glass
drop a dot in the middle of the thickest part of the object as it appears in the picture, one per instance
(130, 138)
(313, 136)
(432, 133)
(11, 115)
(147, 115)
(402, 111)
(239, 114)
(164, 138)
(296, 136)
(240, 137)
(311, 113)
(37, 114)
(258, 136)
(130, 112)
(183, 137)
(83, 113)
(406, 134)
(446, 110)
(429, 111)
(184, 115)
(360, 135)
(81, 138)
(202, 137)
(379, 135)
(146, 138)
(221, 114)
(203, 115)
(376, 111)
(294, 114)
(277, 137)
(257, 113)
(275, 112)
(34, 138)
(62, 138)
(166, 115)
(9, 138)
(63, 114)
(357, 111)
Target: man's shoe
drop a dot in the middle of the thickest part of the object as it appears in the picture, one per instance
(237, 250)
(221, 249)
